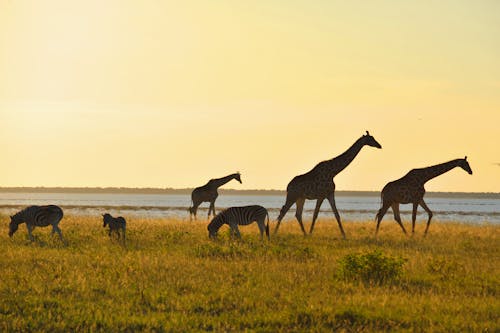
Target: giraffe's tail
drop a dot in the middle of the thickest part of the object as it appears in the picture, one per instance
(190, 209)
(380, 213)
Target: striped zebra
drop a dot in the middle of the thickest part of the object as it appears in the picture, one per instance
(116, 224)
(235, 216)
(37, 216)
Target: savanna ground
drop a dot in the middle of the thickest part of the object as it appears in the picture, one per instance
(170, 277)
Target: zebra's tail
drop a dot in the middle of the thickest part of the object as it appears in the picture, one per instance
(267, 226)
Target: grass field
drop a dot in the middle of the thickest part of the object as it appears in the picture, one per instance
(170, 277)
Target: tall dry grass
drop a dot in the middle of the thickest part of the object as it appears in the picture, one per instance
(170, 277)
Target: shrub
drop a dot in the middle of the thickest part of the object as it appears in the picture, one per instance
(372, 267)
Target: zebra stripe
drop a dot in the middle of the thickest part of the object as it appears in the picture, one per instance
(235, 216)
(37, 216)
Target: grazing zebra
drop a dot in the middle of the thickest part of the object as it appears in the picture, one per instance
(208, 193)
(235, 216)
(37, 216)
(116, 224)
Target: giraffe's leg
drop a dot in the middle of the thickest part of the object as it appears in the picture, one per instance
(424, 206)
(397, 217)
(316, 212)
(331, 199)
(298, 213)
(289, 202)
(380, 214)
(194, 210)
(414, 217)
(211, 209)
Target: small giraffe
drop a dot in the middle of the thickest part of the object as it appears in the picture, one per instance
(410, 189)
(208, 193)
(318, 184)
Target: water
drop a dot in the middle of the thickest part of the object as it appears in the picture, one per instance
(351, 208)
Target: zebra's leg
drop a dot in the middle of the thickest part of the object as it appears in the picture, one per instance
(289, 202)
(235, 231)
(298, 213)
(30, 230)
(316, 212)
(262, 227)
(59, 232)
(331, 200)
(397, 217)
(424, 206)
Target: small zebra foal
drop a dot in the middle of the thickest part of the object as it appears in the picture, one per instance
(235, 216)
(37, 216)
(116, 224)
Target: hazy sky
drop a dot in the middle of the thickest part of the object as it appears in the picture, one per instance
(157, 93)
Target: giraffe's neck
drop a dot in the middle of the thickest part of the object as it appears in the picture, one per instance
(218, 182)
(426, 174)
(339, 163)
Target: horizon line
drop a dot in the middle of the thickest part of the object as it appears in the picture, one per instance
(111, 189)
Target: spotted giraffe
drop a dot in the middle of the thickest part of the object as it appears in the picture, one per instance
(208, 193)
(318, 184)
(410, 189)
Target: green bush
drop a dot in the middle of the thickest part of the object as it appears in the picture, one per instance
(372, 268)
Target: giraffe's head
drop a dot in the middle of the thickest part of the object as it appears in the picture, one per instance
(237, 176)
(465, 165)
(369, 140)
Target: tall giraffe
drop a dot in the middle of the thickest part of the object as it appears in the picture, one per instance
(208, 193)
(318, 184)
(410, 189)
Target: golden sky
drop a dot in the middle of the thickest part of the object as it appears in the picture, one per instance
(172, 93)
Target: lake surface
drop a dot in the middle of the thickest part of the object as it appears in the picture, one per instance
(351, 208)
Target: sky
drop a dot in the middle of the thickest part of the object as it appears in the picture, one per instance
(170, 94)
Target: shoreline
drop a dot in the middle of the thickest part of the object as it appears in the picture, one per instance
(250, 192)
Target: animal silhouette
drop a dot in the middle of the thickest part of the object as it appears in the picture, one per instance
(208, 193)
(410, 189)
(37, 216)
(318, 184)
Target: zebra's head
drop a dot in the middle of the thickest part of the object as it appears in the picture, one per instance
(213, 227)
(13, 226)
(105, 218)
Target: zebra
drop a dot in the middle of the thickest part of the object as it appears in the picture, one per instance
(235, 216)
(37, 216)
(116, 224)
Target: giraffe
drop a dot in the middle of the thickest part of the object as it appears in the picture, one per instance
(410, 189)
(208, 193)
(318, 184)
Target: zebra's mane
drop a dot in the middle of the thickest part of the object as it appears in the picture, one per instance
(216, 223)
(22, 212)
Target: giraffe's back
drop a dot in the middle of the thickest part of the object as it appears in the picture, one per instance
(404, 190)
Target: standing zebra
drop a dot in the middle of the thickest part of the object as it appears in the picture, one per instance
(37, 216)
(235, 216)
(116, 224)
